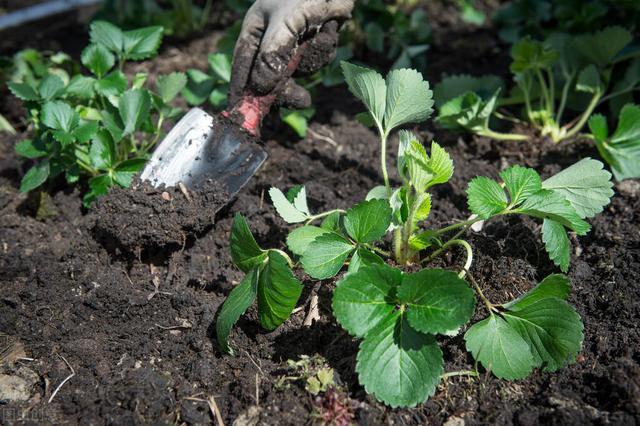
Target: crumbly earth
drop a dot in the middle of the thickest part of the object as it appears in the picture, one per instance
(144, 217)
(137, 327)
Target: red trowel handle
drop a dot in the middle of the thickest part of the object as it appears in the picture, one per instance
(251, 109)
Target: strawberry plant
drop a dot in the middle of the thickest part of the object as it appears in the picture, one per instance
(398, 312)
(99, 127)
(559, 84)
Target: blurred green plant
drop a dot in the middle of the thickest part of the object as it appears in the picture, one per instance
(100, 127)
(538, 18)
(179, 18)
(559, 84)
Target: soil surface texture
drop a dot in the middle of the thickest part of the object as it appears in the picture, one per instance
(107, 315)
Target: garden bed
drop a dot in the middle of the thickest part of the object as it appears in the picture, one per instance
(137, 326)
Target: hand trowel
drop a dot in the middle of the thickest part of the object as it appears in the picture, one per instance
(224, 151)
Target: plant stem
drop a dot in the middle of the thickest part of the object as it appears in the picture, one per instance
(618, 93)
(458, 225)
(469, 251)
(585, 116)
(563, 99)
(383, 160)
(285, 255)
(460, 373)
(545, 90)
(552, 91)
(502, 136)
(527, 103)
(378, 250)
(321, 215)
(397, 245)
(488, 304)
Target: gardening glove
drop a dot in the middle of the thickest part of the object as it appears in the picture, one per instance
(270, 34)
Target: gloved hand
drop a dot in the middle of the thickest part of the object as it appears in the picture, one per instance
(270, 33)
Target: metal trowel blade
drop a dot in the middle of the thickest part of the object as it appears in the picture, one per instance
(200, 149)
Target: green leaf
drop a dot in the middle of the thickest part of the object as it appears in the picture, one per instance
(417, 164)
(84, 132)
(99, 186)
(218, 96)
(377, 193)
(363, 257)
(300, 199)
(423, 240)
(236, 304)
(30, 148)
(556, 243)
(170, 85)
(601, 47)
(115, 83)
(332, 222)
(299, 239)
(113, 124)
(554, 285)
(406, 138)
(108, 35)
(285, 208)
(23, 91)
(441, 164)
(366, 119)
(98, 59)
(125, 171)
(486, 197)
(298, 120)
(245, 252)
(139, 79)
(398, 365)
(456, 85)
(521, 182)
(51, 87)
(368, 86)
(102, 151)
(622, 150)
(589, 80)
(35, 176)
(198, 87)
(409, 99)
(552, 329)
(468, 112)
(142, 43)
(278, 291)
(546, 204)
(59, 115)
(220, 64)
(368, 221)
(363, 299)
(437, 301)
(293, 193)
(495, 344)
(599, 127)
(325, 256)
(81, 87)
(134, 107)
(528, 55)
(586, 185)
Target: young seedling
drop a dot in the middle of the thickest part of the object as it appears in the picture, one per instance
(621, 149)
(101, 126)
(399, 314)
(553, 76)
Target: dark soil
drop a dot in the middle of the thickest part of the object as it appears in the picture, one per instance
(144, 217)
(138, 326)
